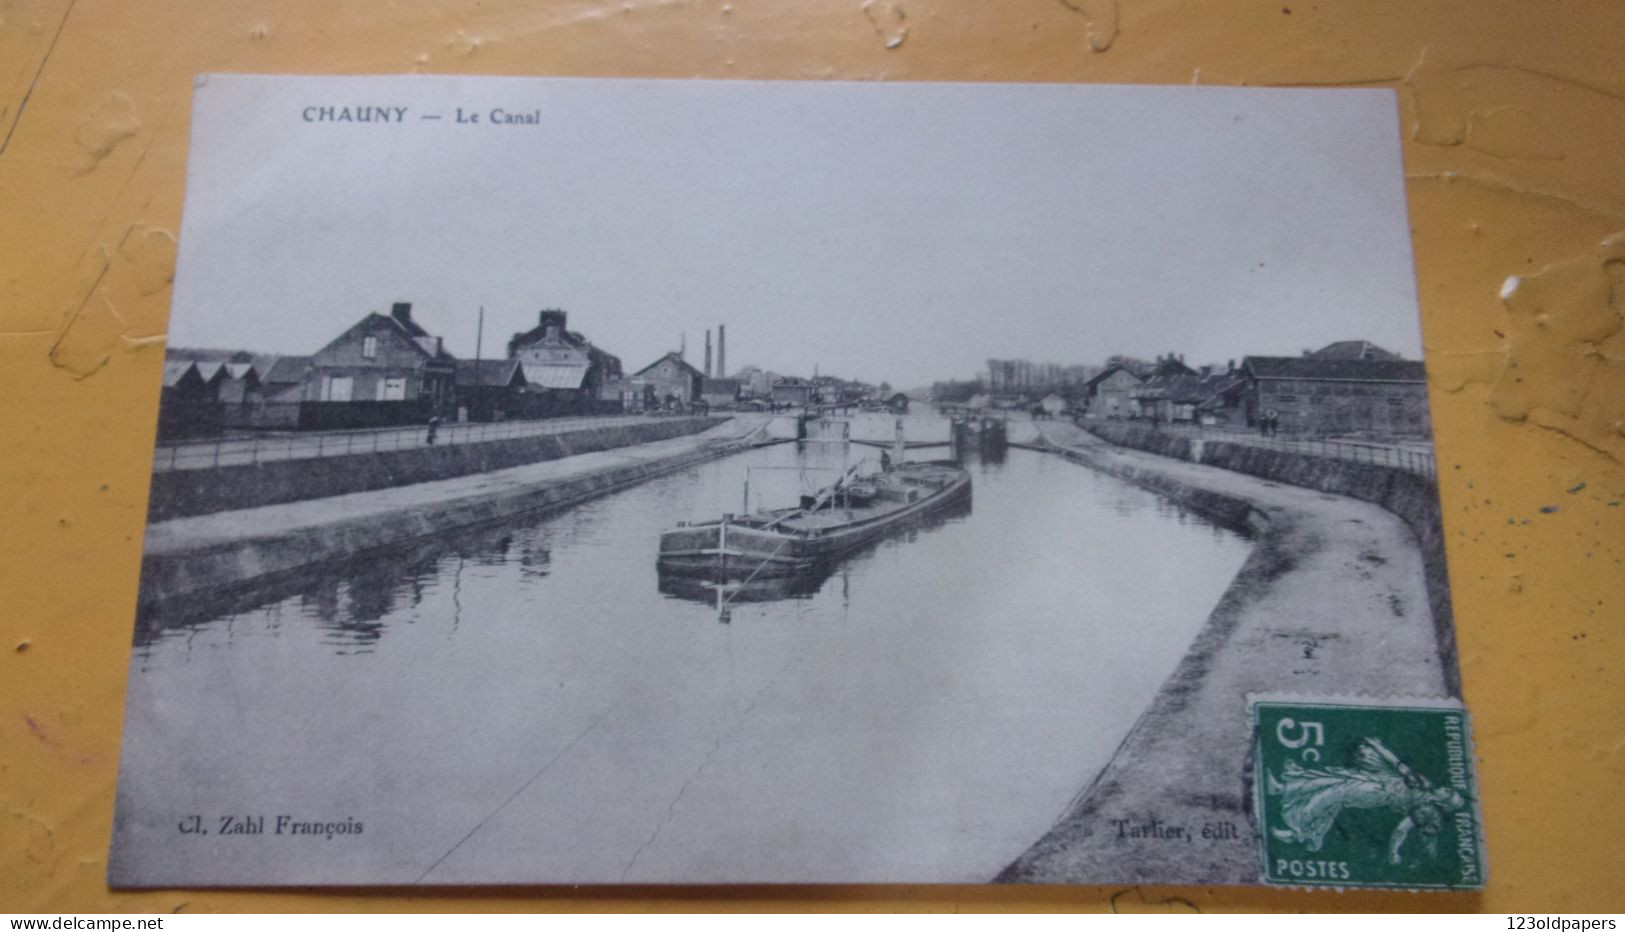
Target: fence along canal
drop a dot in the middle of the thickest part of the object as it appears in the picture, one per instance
(240, 451)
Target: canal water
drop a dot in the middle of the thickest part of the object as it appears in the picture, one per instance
(527, 704)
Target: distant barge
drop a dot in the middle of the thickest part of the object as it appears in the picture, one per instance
(793, 541)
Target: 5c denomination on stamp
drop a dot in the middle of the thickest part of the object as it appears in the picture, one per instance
(1363, 792)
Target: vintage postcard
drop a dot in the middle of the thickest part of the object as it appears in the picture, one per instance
(624, 481)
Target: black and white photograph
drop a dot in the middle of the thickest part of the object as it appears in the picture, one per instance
(567, 481)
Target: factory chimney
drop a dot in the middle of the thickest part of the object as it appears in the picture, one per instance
(722, 351)
(707, 353)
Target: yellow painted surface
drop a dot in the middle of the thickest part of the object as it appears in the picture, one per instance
(1514, 115)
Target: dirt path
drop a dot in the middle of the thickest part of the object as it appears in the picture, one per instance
(1332, 601)
(187, 534)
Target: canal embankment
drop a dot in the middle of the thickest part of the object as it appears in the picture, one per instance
(1333, 600)
(187, 492)
(194, 556)
(1413, 497)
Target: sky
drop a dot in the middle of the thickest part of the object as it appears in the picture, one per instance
(882, 231)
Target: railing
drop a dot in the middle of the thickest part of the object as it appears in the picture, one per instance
(1411, 459)
(238, 451)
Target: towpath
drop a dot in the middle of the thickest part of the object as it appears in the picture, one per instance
(299, 445)
(1331, 602)
(186, 555)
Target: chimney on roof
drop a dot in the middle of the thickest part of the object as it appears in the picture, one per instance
(1307, 353)
(722, 351)
(1182, 359)
(552, 321)
(1231, 366)
(707, 353)
(402, 311)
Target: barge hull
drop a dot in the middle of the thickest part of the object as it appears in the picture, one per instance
(727, 551)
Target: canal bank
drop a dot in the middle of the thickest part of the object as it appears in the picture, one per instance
(1333, 600)
(899, 724)
(202, 555)
(180, 493)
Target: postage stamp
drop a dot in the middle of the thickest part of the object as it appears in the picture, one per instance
(1364, 792)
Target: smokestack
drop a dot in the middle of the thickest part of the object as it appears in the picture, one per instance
(722, 351)
(707, 369)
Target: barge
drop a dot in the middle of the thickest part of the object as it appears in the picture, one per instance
(841, 518)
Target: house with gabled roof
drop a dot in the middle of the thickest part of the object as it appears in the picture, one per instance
(1108, 394)
(674, 383)
(383, 358)
(563, 366)
(1168, 393)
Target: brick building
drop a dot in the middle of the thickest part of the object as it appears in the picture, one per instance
(1340, 393)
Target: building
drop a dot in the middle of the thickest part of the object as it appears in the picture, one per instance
(566, 373)
(674, 383)
(827, 390)
(1108, 395)
(384, 370)
(208, 390)
(1169, 395)
(793, 391)
(493, 390)
(720, 394)
(898, 402)
(381, 359)
(1223, 401)
(1053, 404)
(633, 395)
(283, 381)
(1340, 394)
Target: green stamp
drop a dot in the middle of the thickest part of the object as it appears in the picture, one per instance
(1366, 793)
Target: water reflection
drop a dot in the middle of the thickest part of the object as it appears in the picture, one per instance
(922, 710)
(353, 603)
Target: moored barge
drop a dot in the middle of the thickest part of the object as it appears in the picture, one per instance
(824, 527)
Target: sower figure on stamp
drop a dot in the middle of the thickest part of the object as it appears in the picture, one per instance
(1312, 799)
